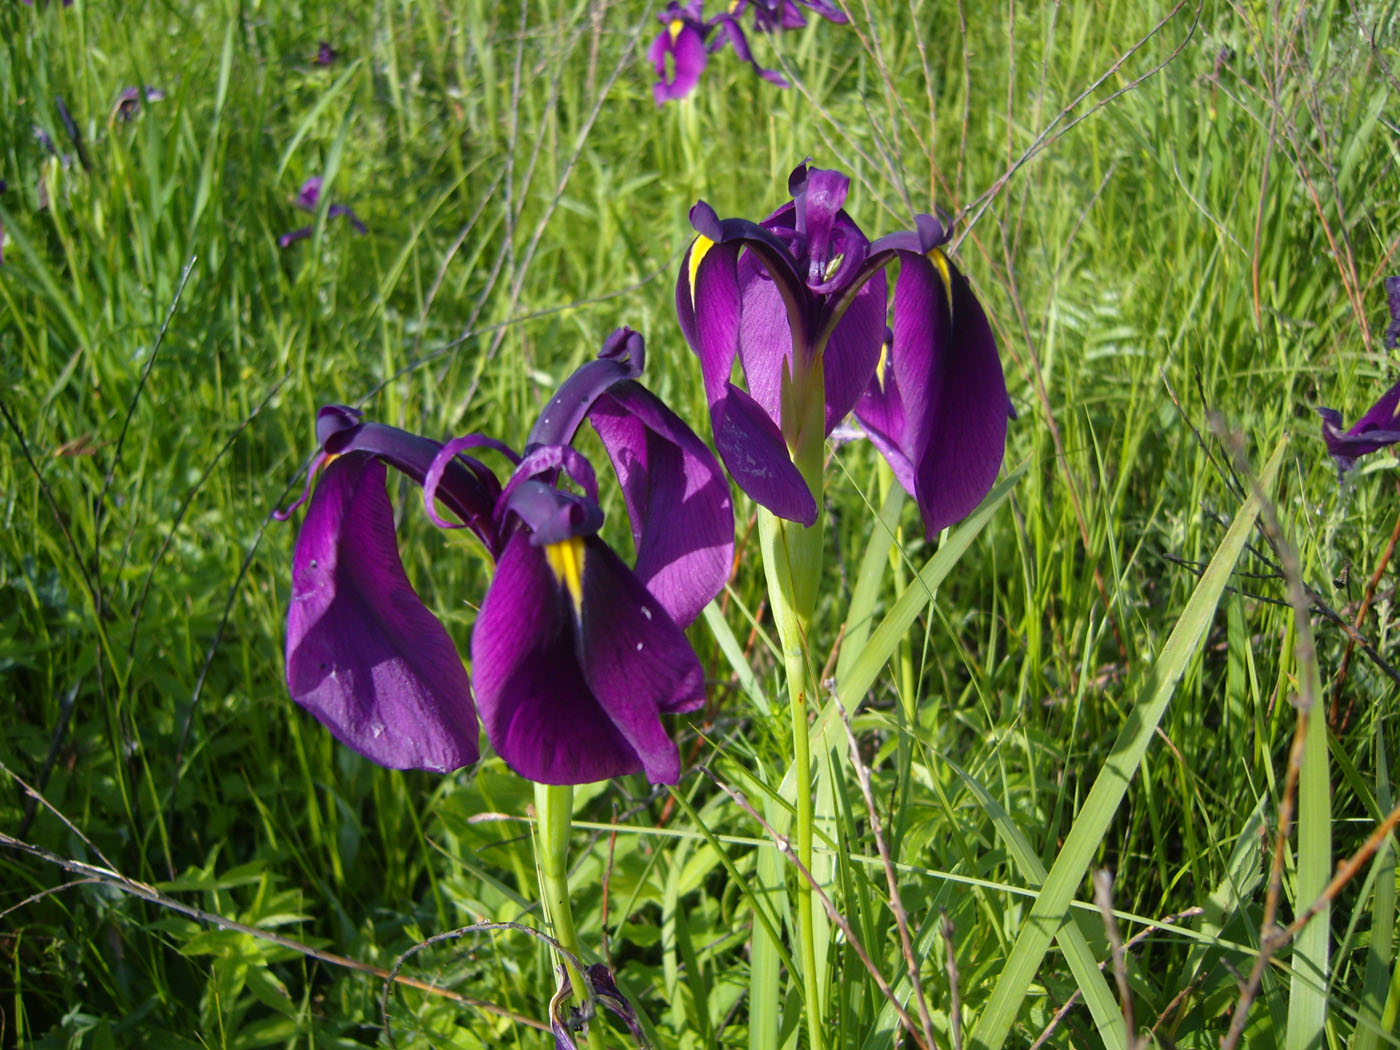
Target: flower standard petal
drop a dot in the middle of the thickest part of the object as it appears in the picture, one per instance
(363, 654)
(708, 303)
(677, 499)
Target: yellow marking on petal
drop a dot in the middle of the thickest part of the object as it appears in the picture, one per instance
(734, 6)
(940, 262)
(698, 251)
(565, 560)
(882, 365)
(674, 27)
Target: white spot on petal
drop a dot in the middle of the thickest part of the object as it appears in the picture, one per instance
(639, 647)
(646, 612)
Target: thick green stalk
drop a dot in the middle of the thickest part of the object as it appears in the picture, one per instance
(792, 562)
(554, 814)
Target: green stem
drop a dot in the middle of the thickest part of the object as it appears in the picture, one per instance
(554, 814)
(792, 562)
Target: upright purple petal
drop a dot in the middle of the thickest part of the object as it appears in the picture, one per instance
(572, 693)
(363, 654)
(677, 499)
(708, 304)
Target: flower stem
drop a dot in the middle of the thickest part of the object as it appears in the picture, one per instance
(792, 562)
(554, 814)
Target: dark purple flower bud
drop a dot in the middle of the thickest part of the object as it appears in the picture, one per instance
(325, 54)
(128, 102)
(308, 198)
(75, 136)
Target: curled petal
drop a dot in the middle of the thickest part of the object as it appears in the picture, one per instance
(731, 31)
(621, 358)
(363, 654)
(677, 499)
(552, 515)
(573, 671)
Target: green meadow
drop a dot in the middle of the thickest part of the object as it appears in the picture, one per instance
(1084, 767)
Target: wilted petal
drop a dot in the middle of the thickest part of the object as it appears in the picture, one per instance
(677, 499)
(572, 674)
(363, 654)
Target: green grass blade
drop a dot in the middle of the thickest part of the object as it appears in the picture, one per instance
(1052, 903)
(1307, 999)
(1093, 985)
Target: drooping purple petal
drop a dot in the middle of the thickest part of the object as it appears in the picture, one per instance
(571, 694)
(949, 378)
(678, 53)
(677, 499)
(363, 654)
(733, 33)
(1377, 429)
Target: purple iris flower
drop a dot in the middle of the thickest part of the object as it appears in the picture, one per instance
(307, 199)
(1380, 426)
(800, 300)
(128, 103)
(325, 54)
(770, 15)
(680, 52)
(575, 656)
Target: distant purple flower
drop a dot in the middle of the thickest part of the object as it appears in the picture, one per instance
(1379, 427)
(308, 198)
(800, 300)
(325, 54)
(679, 54)
(574, 655)
(128, 103)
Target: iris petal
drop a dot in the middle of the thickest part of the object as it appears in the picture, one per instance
(677, 499)
(363, 654)
(570, 702)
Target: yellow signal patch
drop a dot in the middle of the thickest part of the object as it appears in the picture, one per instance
(940, 262)
(565, 560)
(698, 251)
